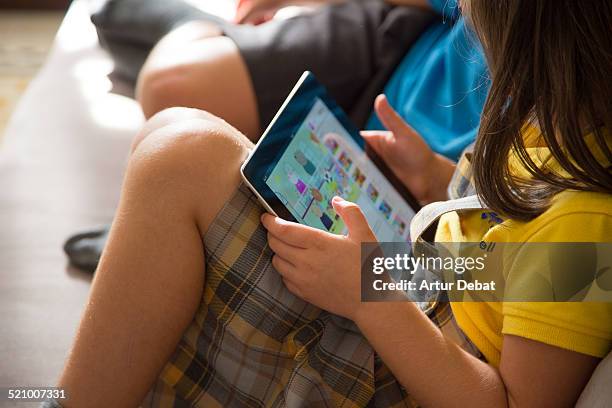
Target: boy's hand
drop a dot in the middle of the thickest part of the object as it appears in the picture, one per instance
(425, 173)
(256, 11)
(322, 268)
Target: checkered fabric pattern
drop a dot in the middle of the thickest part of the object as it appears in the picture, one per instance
(462, 182)
(253, 344)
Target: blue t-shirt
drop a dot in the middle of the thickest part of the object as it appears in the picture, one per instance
(440, 86)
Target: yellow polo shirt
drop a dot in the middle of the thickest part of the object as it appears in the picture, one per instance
(584, 327)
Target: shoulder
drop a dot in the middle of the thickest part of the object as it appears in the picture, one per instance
(574, 216)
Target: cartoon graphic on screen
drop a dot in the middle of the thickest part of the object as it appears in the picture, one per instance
(308, 166)
(295, 180)
(400, 224)
(313, 138)
(331, 144)
(316, 194)
(325, 219)
(341, 178)
(386, 209)
(346, 161)
(359, 177)
(372, 193)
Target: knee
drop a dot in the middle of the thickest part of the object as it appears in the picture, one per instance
(184, 168)
(172, 72)
(159, 88)
(185, 147)
(192, 83)
(175, 117)
(187, 161)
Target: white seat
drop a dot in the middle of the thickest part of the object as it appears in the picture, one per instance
(598, 392)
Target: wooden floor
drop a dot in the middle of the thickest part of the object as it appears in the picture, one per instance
(25, 40)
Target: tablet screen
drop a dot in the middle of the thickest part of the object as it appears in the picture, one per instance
(323, 160)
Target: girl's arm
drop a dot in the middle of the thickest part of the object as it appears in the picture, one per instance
(324, 269)
(437, 372)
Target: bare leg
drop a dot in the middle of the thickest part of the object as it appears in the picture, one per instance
(194, 66)
(149, 283)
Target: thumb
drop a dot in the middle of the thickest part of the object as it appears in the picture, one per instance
(390, 118)
(242, 9)
(250, 13)
(379, 140)
(354, 219)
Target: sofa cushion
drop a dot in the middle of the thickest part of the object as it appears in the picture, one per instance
(598, 392)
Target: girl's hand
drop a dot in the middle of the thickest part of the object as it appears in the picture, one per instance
(322, 268)
(425, 173)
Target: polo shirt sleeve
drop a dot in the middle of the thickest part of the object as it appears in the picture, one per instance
(583, 327)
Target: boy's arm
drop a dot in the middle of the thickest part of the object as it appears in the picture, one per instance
(418, 3)
(258, 11)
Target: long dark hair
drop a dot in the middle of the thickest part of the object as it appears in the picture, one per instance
(550, 63)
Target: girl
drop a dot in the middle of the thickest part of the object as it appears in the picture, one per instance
(541, 161)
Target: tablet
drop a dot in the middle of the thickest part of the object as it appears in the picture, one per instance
(310, 153)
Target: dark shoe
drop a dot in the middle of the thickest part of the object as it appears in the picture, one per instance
(84, 250)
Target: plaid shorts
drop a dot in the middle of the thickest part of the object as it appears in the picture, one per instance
(254, 344)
